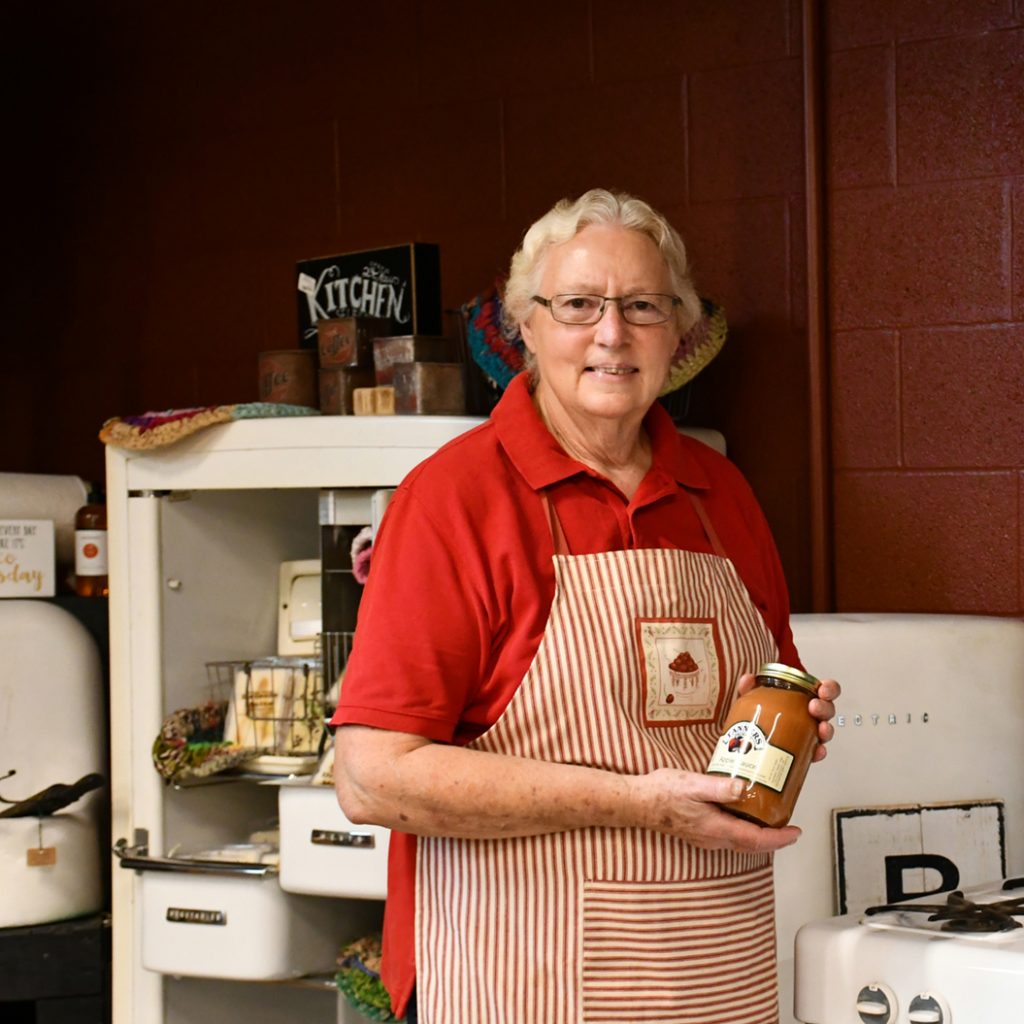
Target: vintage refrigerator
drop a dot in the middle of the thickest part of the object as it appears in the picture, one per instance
(198, 532)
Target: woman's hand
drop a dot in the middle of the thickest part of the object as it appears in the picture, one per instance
(686, 804)
(821, 707)
(407, 783)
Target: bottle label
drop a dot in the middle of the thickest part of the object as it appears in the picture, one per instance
(745, 753)
(90, 552)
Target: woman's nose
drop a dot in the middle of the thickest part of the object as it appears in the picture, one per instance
(611, 328)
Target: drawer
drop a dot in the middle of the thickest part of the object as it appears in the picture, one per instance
(323, 853)
(243, 927)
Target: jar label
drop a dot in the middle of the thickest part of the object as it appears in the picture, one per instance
(90, 552)
(744, 752)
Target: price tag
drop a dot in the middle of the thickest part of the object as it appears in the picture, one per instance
(42, 856)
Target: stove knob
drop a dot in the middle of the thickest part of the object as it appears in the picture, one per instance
(876, 1004)
(928, 1008)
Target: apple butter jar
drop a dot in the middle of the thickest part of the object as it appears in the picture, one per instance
(768, 741)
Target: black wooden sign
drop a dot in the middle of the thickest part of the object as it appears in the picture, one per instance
(401, 284)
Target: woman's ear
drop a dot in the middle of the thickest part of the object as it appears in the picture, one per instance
(526, 333)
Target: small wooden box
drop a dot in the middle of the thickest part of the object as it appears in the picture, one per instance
(410, 348)
(348, 340)
(337, 383)
(375, 401)
(434, 389)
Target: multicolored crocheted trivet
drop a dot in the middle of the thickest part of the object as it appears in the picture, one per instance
(155, 429)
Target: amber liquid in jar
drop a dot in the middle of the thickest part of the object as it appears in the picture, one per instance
(91, 549)
(768, 742)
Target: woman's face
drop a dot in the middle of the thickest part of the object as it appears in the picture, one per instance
(611, 369)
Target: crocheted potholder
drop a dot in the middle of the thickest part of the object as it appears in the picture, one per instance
(358, 977)
(155, 429)
(499, 353)
(191, 744)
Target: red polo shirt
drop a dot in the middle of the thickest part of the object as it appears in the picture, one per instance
(462, 582)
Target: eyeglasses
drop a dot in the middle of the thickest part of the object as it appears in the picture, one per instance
(643, 308)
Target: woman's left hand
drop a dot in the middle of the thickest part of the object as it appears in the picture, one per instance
(821, 707)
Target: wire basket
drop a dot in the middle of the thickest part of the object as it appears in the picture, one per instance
(276, 705)
(336, 647)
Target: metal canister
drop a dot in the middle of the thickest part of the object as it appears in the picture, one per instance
(348, 341)
(337, 384)
(288, 376)
(436, 389)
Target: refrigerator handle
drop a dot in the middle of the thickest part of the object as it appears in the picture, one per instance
(136, 858)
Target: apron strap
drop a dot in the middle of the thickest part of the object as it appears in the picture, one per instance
(562, 545)
(705, 521)
(554, 525)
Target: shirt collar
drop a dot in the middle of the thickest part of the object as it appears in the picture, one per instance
(542, 462)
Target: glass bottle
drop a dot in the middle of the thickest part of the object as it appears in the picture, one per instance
(768, 741)
(91, 547)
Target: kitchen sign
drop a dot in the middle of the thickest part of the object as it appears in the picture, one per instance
(891, 854)
(27, 559)
(400, 284)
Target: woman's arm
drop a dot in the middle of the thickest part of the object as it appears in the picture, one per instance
(412, 784)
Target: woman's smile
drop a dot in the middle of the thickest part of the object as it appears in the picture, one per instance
(615, 371)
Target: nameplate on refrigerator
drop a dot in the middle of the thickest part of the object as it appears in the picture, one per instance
(893, 853)
(190, 915)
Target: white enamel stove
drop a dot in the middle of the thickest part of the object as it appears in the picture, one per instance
(950, 958)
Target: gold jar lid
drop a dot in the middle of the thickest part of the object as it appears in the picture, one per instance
(775, 670)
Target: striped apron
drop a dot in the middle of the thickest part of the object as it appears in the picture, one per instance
(635, 671)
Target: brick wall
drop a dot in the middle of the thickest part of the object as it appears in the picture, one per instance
(175, 162)
(926, 232)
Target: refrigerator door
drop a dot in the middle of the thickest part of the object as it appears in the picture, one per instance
(198, 531)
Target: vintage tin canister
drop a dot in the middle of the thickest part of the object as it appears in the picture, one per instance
(337, 384)
(288, 376)
(410, 348)
(348, 340)
(434, 389)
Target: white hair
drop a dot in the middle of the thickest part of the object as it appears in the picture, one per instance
(566, 219)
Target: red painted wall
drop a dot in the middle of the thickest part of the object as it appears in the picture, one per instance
(173, 165)
(926, 176)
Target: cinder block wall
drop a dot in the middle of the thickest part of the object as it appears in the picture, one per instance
(173, 164)
(926, 233)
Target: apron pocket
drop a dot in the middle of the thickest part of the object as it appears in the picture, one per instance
(695, 952)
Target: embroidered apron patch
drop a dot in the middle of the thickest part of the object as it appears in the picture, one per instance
(680, 671)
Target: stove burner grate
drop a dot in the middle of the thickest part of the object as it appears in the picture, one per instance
(962, 915)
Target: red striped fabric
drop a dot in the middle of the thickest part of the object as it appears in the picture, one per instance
(602, 925)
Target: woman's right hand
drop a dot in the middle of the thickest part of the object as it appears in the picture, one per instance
(408, 783)
(687, 804)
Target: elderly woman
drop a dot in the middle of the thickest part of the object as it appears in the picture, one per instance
(559, 853)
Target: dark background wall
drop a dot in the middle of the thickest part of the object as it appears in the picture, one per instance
(168, 165)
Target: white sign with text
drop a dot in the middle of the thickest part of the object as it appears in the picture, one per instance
(27, 558)
(889, 854)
